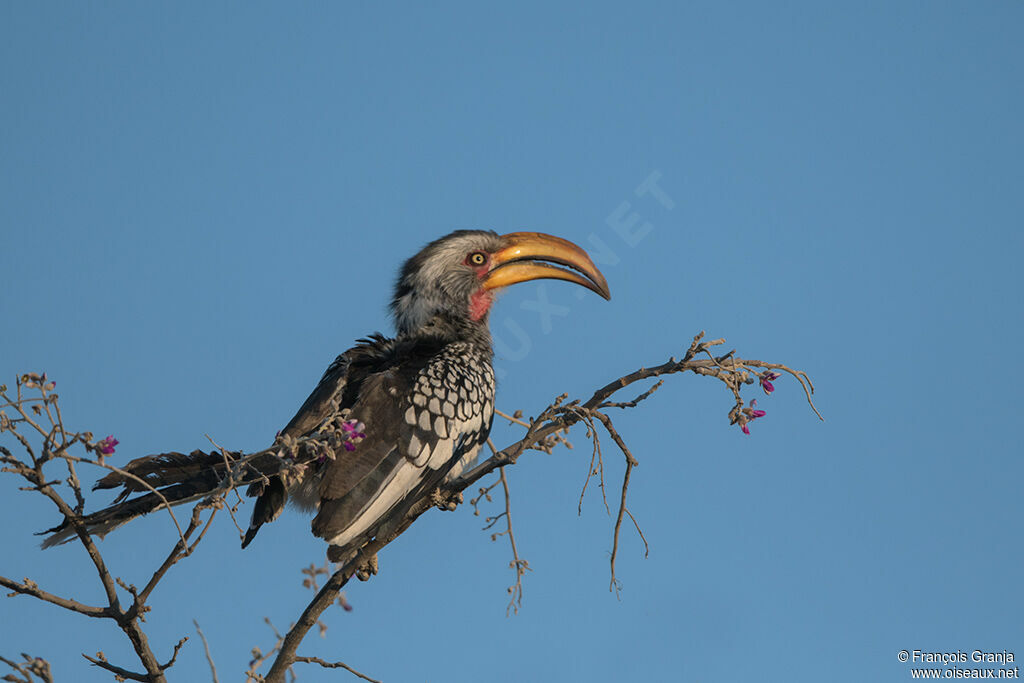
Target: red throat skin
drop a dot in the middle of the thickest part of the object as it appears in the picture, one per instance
(480, 303)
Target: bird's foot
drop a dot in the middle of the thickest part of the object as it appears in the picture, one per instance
(367, 568)
(446, 501)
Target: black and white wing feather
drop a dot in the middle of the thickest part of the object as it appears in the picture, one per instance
(425, 418)
(427, 407)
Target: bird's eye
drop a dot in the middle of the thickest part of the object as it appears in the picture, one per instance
(476, 258)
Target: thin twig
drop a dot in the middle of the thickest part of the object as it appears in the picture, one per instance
(631, 462)
(519, 566)
(174, 656)
(615, 585)
(206, 648)
(32, 666)
(635, 401)
(29, 587)
(511, 418)
(336, 665)
(117, 670)
(595, 456)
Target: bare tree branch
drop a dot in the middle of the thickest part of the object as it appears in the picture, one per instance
(206, 649)
(30, 669)
(101, 661)
(544, 432)
(519, 566)
(336, 665)
(631, 462)
(174, 655)
(56, 442)
(29, 587)
(558, 416)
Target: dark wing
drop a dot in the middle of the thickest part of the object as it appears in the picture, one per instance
(337, 390)
(339, 385)
(423, 417)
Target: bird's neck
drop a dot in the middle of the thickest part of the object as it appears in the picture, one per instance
(449, 329)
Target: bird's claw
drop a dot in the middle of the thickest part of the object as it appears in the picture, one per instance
(367, 568)
(446, 501)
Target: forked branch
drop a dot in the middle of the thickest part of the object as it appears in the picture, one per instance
(553, 421)
(545, 432)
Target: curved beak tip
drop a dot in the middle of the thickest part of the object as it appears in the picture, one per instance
(536, 255)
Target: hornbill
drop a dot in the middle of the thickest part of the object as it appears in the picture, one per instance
(424, 398)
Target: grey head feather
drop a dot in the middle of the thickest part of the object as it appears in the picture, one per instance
(433, 288)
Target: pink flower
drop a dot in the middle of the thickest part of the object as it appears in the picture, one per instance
(106, 446)
(749, 415)
(354, 429)
(754, 414)
(353, 433)
(766, 381)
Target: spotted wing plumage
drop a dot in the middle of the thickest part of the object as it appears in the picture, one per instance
(453, 396)
(425, 419)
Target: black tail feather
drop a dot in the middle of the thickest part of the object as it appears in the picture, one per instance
(178, 477)
(269, 504)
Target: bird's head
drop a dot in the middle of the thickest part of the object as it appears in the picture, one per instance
(452, 280)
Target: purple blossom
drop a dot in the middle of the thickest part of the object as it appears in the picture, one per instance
(106, 446)
(353, 433)
(754, 414)
(766, 381)
(354, 429)
(749, 415)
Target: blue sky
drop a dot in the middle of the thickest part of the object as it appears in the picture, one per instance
(201, 204)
